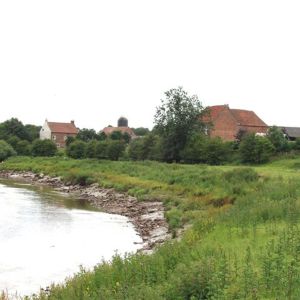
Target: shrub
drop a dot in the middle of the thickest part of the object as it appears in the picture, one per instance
(76, 149)
(255, 149)
(101, 149)
(23, 148)
(43, 148)
(277, 138)
(6, 150)
(91, 149)
(115, 149)
(136, 150)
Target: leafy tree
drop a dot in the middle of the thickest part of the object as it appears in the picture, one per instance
(70, 140)
(87, 135)
(91, 149)
(6, 150)
(23, 148)
(76, 149)
(194, 151)
(13, 127)
(13, 141)
(277, 138)
(43, 148)
(101, 149)
(115, 149)
(126, 137)
(102, 136)
(116, 135)
(178, 116)
(135, 150)
(141, 131)
(255, 149)
(33, 132)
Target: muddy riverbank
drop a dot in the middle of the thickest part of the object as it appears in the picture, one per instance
(147, 216)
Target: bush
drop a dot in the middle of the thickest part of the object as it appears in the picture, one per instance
(77, 149)
(277, 138)
(6, 150)
(101, 149)
(91, 149)
(255, 149)
(115, 149)
(23, 148)
(43, 148)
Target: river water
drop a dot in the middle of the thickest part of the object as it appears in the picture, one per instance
(46, 236)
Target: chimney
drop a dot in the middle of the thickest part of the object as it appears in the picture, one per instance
(72, 122)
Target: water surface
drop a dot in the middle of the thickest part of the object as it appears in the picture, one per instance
(45, 237)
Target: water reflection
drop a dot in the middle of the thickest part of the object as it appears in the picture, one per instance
(45, 237)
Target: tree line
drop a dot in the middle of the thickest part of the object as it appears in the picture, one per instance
(179, 135)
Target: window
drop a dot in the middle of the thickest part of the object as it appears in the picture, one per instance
(54, 137)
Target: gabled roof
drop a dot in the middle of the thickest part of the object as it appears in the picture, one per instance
(56, 127)
(110, 130)
(293, 132)
(247, 118)
(242, 117)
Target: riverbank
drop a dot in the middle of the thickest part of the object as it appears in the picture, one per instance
(147, 216)
(243, 235)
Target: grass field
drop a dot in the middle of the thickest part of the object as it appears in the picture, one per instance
(242, 242)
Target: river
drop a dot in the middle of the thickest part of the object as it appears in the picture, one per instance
(46, 236)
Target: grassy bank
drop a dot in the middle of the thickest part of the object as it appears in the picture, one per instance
(243, 241)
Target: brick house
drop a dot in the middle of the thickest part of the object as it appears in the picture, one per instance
(226, 123)
(58, 132)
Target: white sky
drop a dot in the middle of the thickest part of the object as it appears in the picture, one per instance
(93, 61)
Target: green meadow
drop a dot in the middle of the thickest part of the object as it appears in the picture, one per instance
(241, 226)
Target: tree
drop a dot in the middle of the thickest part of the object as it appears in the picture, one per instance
(141, 131)
(43, 148)
(23, 148)
(178, 116)
(87, 135)
(277, 138)
(13, 127)
(116, 135)
(91, 149)
(115, 149)
(76, 149)
(101, 149)
(255, 149)
(33, 132)
(6, 150)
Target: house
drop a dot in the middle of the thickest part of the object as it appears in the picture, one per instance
(291, 133)
(122, 127)
(227, 123)
(58, 132)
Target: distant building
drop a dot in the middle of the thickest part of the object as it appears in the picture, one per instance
(122, 127)
(58, 132)
(227, 123)
(291, 133)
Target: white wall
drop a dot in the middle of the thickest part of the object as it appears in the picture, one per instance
(45, 132)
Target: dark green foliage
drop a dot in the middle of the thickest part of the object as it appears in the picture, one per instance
(33, 132)
(102, 136)
(87, 135)
(126, 137)
(91, 149)
(13, 127)
(202, 149)
(135, 150)
(69, 140)
(277, 138)
(43, 148)
(116, 135)
(297, 144)
(115, 149)
(101, 149)
(255, 149)
(77, 149)
(141, 131)
(13, 141)
(23, 148)
(6, 150)
(175, 120)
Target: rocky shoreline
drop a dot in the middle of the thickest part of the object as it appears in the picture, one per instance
(147, 216)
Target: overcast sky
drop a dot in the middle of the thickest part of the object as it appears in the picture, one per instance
(93, 61)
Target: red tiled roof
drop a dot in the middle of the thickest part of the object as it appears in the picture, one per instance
(213, 112)
(110, 130)
(63, 127)
(247, 118)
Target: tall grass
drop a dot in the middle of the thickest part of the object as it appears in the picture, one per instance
(243, 241)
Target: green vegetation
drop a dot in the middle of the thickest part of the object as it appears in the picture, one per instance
(242, 236)
(5, 150)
